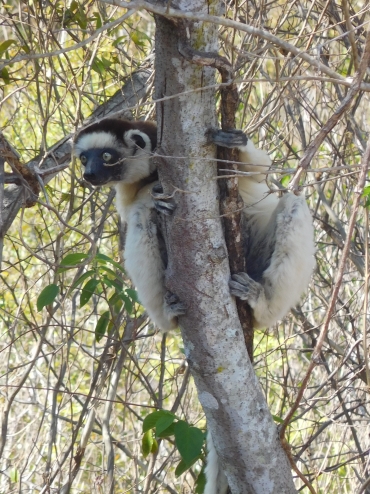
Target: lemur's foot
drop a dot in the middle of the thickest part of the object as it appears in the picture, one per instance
(227, 138)
(162, 202)
(244, 287)
(173, 306)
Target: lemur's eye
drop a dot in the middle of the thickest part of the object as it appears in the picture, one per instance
(107, 157)
(83, 159)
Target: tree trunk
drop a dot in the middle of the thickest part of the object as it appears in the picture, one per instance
(238, 418)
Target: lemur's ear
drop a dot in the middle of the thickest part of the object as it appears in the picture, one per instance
(138, 139)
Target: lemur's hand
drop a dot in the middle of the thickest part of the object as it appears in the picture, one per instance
(162, 202)
(227, 138)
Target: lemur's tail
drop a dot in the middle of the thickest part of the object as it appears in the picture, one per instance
(216, 482)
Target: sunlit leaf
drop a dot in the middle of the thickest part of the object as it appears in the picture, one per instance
(5, 44)
(4, 75)
(151, 420)
(147, 443)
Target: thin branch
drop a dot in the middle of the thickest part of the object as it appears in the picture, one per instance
(334, 119)
(222, 21)
(316, 360)
(57, 53)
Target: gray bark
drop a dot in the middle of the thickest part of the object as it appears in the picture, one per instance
(241, 425)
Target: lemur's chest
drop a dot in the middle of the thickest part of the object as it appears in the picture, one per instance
(134, 203)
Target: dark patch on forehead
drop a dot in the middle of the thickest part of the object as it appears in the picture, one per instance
(118, 127)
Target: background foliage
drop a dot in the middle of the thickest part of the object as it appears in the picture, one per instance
(81, 370)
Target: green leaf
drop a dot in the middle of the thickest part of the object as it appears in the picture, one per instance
(366, 191)
(127, 302)
(14, 475)
(154, 446)
(147, 443)
(103, 258)
(101, 325)
(285, 180)
(74, 5)
(108, 270)
(81, 18)
(164, 422)
(112, 283)
(118, 40)
(97, 66)
(87, 291)
(98, 24)
(73, 259)
(183, 466)
(65, 197)
(200, 482)
(170, 431)
(132, 294)
(47, 296)
(151, 420)
(81, 279)
(106, 281)
(5, 44)
(4, 74)
(189, 441)
(278, 419)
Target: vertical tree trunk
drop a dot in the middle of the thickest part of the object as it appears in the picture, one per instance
(238, 418)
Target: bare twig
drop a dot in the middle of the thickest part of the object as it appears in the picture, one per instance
(315, 360)
(335, 117)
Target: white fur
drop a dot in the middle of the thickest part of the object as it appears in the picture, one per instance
(136, 160)
(143, 261)
(138, 165)
(292, 261)
(291, 265)
(95, 140)
(216, 480)
(285, 223)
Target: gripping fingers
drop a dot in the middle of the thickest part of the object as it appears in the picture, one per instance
(162, 202)
(227, 138)
(173, 306)
(244, 287)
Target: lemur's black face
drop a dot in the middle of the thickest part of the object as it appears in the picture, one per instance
(102, 165)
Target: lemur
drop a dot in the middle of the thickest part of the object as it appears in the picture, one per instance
(279, 245)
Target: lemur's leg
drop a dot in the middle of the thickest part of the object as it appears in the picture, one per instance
(281, 238)
(216, 479)
(290, 267)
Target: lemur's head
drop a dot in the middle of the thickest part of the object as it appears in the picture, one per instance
(116, 150)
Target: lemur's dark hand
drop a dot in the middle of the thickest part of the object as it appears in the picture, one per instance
(162, 202)
(227, 138)
(173, 306)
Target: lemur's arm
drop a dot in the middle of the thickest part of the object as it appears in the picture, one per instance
(146, 260)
